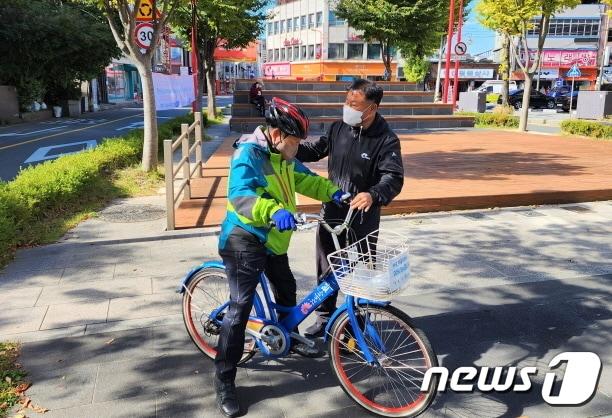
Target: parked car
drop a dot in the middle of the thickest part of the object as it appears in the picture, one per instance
(496, 86)
(563, 101)
(559, 91)
(537, 100)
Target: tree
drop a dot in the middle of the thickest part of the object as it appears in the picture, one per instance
(121, 17)
(415, 67)
(515, 18)
(60, 45)
(417, 23)
(220, 23)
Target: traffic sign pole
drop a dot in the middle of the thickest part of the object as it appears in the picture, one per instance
(571, 97)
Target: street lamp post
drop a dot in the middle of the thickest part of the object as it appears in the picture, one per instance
(320, 52)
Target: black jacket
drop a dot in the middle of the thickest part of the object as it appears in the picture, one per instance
(370, 162)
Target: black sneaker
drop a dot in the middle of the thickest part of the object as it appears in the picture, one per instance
(317, 329)
(305, 350)
(227, 399)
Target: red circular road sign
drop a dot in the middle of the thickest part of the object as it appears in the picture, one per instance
(143, 34)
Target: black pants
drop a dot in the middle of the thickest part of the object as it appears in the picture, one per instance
(260, 103)
(243, 269)
(364, 223)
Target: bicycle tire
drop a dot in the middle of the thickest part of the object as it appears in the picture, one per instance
(196, 329)
(336, 345)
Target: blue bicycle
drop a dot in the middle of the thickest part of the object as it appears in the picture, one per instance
(378, 355)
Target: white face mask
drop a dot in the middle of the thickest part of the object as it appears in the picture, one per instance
(351, 116)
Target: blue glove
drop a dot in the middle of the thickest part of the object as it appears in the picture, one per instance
(337, 197)
(284, 220)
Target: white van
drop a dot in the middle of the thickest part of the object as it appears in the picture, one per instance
(495, 86)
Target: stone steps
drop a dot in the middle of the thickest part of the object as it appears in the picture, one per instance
(335, 109)
(335, 96)
(323, 85)
(319, 124)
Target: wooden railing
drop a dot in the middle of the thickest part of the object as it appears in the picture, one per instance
(184, 166)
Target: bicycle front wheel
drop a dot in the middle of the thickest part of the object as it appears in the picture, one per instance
(391, 388)
(206, 292)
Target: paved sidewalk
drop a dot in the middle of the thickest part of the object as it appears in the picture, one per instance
(103, 333)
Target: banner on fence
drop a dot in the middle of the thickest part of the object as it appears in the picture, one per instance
(173, 90)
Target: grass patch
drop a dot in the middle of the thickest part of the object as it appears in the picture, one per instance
(12, 383)
(44, 201)
(591, 129)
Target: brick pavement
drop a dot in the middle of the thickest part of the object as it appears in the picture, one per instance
(450, 170)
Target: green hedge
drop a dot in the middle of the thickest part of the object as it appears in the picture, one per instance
(495, 119)
(587, 128)
(60, 188)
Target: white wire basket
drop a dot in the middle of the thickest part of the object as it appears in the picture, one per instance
(375, 267)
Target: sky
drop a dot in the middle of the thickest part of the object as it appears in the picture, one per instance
(478, 38)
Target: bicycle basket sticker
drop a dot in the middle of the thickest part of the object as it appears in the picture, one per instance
(399, 271)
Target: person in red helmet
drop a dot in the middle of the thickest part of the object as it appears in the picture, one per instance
(263, 179)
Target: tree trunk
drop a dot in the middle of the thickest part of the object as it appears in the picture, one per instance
(525, 105)
(150, 144)
(386, 60)
(211, 110)
(505, 66)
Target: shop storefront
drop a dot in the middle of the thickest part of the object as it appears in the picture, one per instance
(556, 63)
(122, 83)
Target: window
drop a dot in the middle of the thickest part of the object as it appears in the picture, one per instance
(276, 54)
(282, 26)
(334, 21)
(318, 51)
(296, 53)
(310, 52)
(289, 53)
(355, 51)
(311, 20)
(303, 52)
(269, 28)
(303, 22)
(289, 25)
(275, 27)
(270, 55)
(568, 27)
(335, 51)
(319, 19)
(374, 51)
(296, 23)
(283, 57)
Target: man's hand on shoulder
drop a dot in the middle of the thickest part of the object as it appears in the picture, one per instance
(362, 201)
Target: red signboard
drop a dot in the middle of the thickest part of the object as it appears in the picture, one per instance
(555, 58)
(292, 41)
(248, 54)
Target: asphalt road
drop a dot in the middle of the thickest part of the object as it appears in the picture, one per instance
(32, 143)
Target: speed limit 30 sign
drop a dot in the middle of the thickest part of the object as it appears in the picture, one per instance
(143, 34)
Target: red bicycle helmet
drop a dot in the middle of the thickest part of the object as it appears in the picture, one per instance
(287, 117)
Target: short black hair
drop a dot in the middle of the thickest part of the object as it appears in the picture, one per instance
(372, 91)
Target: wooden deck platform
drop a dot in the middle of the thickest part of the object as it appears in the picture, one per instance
(453, 170)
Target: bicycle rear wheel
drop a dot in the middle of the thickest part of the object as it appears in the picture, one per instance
(207, 291)
(393, 387)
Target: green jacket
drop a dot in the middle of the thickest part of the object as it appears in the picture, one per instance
(259, 184)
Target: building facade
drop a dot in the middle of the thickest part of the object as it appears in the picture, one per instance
(576, 36)
(305, 40)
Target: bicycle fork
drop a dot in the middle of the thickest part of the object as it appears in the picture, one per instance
(368, 331)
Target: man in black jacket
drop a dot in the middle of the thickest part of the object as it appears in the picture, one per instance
(364, 159)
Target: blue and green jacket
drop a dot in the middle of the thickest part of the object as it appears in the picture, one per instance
(260, 183)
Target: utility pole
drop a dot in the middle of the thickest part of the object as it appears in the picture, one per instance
(194, 57)
(449, 40)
